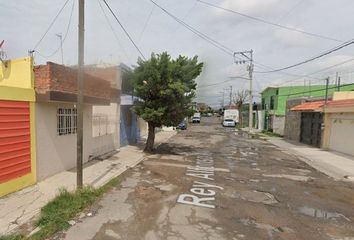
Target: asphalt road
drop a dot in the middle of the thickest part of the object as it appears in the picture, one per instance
(210, 182)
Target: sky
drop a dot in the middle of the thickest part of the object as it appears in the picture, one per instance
(23, 23)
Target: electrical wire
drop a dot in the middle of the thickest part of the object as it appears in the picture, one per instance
(346, 44)
(318, 71)
(196, 32)
(113, 31)
(65, 35)
(125, 31)
(270, 23)
(215, 84)
(50, 25)
(290, 11)
(146, 23)
(318, 90)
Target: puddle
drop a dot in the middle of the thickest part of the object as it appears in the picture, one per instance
(256, 196)
(317, 213)
(269, 228)
(290, 177)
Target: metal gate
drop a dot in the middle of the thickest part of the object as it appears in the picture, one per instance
(311, 132)
(15, 141)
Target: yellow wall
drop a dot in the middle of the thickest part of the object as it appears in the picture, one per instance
(17, 80)
(17, 84)
(343, 95)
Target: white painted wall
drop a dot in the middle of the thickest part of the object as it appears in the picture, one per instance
(278, 124)
(110, 139)
(58, 153)
(342, 133)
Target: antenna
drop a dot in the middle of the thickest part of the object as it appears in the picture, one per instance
(3, 55)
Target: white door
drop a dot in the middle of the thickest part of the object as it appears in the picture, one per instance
(342, 133)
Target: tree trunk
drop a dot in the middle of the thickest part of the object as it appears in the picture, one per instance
(149, 147)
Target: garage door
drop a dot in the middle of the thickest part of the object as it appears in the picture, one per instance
(15, 143)
(342, 134)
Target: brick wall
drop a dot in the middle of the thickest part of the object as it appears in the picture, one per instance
(55, 77)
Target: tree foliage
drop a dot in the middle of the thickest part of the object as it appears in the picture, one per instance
(165, 88)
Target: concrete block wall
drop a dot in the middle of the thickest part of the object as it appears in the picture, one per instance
(292, 128)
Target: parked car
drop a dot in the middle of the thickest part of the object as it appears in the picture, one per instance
(182, 125)
(196, 118)
(229, 123)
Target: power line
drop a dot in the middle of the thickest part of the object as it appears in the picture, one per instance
(203, 36)
(350, 42)
(317, 90)
(290, 11)
(125, 31)
(146, 23)
(196, 32)
(321, 70)
(112, 29)
(50, 25)
(214, 84)
(65, 35)
(270, 23)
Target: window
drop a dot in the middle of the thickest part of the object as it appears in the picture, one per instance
(66, 121)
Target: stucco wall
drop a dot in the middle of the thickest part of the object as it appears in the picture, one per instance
(58, 153)
(110, 141)
(278, 124)
(16, 84)
(343, 95)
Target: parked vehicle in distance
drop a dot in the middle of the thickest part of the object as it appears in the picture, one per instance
(229, 123)
(182, 125)
(209, 114)
(196, 118)
(231, 114)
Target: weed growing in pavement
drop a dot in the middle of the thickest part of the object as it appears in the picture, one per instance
(271, 134)
(56, 214)
(12, 237)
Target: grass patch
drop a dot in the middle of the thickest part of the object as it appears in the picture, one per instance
(64, 207)
(271, 134)
(12, 237)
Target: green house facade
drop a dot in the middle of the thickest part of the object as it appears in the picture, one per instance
(274, 101)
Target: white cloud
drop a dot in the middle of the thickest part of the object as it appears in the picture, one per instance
(292, 39)
(250, 7)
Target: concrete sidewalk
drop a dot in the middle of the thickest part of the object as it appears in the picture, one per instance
(336, 165)
(18, 208)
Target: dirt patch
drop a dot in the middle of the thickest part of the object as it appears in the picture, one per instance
(147, 193)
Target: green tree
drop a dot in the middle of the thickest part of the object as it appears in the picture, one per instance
(165, 88)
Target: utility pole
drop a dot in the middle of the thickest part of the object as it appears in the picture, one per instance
(80, 75)
(230, 97)
(338, 84)
(60, 36)
(223, 98)
(249, 56)
(327, 83)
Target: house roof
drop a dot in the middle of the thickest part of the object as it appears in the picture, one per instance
(340, 103)
(317, 106)
(309, 107)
